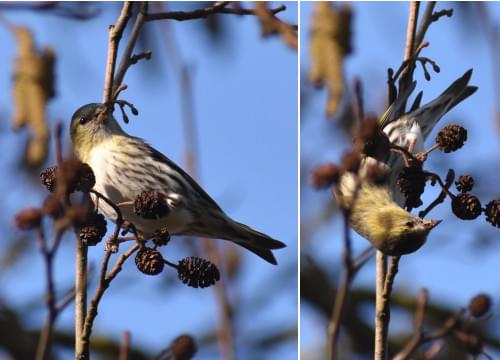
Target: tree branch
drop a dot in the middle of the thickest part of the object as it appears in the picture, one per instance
(43, 348)
(104, 282)
(384, 282)
(351, 268)
(381, 315)
(83, 318)
(48, 253)
(420, 336)
(115, 34)
(407, 76)
(143, 16)
(217, 8)
(126, 60)
(81, 349)
(425, 23)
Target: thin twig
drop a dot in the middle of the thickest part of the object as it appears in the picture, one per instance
(407, 75)
(126, 61)
(436, 178)
(217, 8)
(363, 258)
(48, 253)
(66, 300)
(424, 23)
(383, 302)
(226, 328)
(381, 317)
(125, 346)
(58, 136)
(351, 268)
(143, 16)
(419, 332)
(411, 29)
(84, 318)
(111, 247)
(115, 34)
(43, 348)
(81, 348)
(62, 9)
(105, 280)
(450, 177)
(342, 290)
(420, 337)
(359, 103)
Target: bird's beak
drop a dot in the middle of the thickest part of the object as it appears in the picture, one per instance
(430, 224)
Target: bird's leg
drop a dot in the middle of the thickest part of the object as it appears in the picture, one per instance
(422, 156)
(112, 244)
(126, 238)
(125, 203)
(404, 153)
(411, 145)
(128, 227)
(136, 235)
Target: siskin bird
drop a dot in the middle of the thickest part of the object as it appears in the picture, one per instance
(124, 166)
(375, 212)
(412, 129)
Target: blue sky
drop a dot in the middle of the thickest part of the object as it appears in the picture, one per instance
(450, 265)
(245, 103)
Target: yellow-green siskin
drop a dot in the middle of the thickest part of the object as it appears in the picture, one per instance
(376, 211)
(375, 216)
(124, 166)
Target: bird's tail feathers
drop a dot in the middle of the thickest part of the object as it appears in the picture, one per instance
(252, 240)
(429, 114)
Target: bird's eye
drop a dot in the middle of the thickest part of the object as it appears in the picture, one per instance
(410, 224)
(83, 120)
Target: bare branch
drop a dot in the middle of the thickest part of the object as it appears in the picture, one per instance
(407, 75)
(381, 315)
(385, 281)
(63, 9)
(115, 34)
(104, 282)
(81, 348)
(125, 62)
(425, 22)
(450, 177)
(125, 346)
(420, 337)
(217, 8)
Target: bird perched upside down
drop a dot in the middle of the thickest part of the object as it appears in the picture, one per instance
(375, 212)
(124, 166)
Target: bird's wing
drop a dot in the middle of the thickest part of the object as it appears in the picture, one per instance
(158, 156)
(429, 114)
